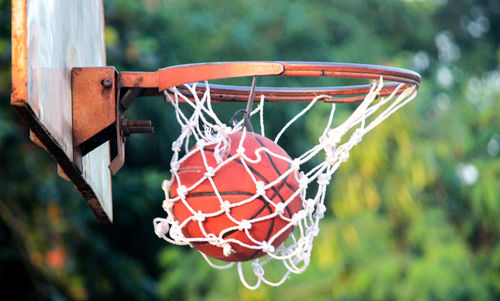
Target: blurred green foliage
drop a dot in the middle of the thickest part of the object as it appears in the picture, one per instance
(413, 215)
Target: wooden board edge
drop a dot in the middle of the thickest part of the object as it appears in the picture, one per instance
(55, 150)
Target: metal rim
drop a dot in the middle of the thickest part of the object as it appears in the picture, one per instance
(338, 94)
(181, 74)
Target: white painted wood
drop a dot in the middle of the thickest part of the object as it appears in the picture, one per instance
(63, 34)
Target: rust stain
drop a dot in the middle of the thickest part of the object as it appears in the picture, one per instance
(19, 94)
(138, 80)
(93, 104)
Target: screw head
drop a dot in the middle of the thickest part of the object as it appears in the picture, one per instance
(107, 83)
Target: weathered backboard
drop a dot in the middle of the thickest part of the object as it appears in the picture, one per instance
(49, 37)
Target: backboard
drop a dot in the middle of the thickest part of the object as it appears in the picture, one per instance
(49, 38)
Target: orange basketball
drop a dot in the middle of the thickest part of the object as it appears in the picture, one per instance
(235, 184)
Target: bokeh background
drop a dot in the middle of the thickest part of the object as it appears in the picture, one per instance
(413, 215)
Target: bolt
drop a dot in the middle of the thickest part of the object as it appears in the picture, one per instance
(107, 83)
(142, 130)
(136, 127)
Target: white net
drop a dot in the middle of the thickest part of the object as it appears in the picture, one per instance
(204, 211)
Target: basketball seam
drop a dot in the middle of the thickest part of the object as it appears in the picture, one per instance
(275, 190)
(282, 184)
(257, 174)
(271, 228)
(278, 172)
(265, 206)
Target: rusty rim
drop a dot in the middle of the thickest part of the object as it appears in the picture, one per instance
(181, 74)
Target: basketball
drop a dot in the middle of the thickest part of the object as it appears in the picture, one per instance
(234, 182)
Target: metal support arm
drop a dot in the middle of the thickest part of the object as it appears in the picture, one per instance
(98, 113)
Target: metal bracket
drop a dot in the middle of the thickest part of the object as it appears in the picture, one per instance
(98, 113)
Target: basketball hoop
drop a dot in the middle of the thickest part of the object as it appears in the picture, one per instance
(236, 195)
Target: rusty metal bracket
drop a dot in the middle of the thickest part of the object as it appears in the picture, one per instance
(98, 113)
(124, 128)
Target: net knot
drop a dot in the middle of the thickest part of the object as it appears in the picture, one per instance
(227, 250)
(320, 211)
(240, 151)
(302, 248)
(314, 231)
(186, 129)
(295, 165)
(167, 205)
(280, 208)
(182, 191)
(260, 186)
(210, 172)
(334, 137)
(267, 247)
(245, 225)
(357, 136)
(343, 155)
(303, 255)
(225, 206)
(176, 146)
(297, 217)
(199, 216)
(310, 204)
(161, 227)
(174, 166)
(330, 158)
(222, 129)
(323, 179)
(176, 232)
(330, 139)
(258, 269)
